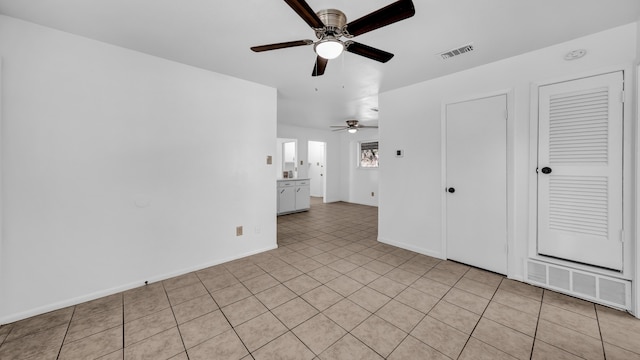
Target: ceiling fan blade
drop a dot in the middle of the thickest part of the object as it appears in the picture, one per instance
(343, 128)
(387, 15)
(306, 13)
(368, 126)
(318, 68)
(368, 51)
(281, 45)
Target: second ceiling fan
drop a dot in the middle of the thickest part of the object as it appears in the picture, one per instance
(331, 25)
(352, 126)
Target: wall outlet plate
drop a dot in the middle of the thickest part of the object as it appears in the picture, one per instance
(238, 230)
(399, 153)
(269, 160)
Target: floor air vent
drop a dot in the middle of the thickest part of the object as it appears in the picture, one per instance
(458, 51)
(581, 284)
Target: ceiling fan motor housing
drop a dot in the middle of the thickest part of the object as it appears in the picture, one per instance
(334, 21)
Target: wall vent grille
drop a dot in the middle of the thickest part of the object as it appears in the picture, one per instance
(598, 288)
(457, 51)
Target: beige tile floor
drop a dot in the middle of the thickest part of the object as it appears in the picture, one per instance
(330, 291)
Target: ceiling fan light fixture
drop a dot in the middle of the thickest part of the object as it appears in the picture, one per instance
(352, 131)
(329, 48)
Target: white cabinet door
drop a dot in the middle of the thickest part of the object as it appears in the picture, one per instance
(302, 195)
(476, 180)
(286, 198)
(580, 170)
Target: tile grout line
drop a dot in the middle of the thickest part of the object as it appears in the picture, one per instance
(123, 323)
(66, 332)
(509, 327)
(423, 317)
(535, 333)
(300, 297)
(347, 332)
(481, 315)
(604, 353)
(474, 327)
(406, 286)
(174, 318)
(4, 341)
(222, 312)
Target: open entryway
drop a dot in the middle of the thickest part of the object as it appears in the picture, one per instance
(317, 167)
(475, 161)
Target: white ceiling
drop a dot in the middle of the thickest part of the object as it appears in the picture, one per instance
(216, 35)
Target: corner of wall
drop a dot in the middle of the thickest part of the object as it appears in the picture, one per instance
(636, 279)
(2, 291)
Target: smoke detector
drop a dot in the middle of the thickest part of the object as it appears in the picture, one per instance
(575, 54)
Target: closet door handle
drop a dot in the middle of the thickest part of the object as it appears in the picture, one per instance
(451, 190)
(546, 170)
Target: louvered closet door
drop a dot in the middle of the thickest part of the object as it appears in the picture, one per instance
(580, 143)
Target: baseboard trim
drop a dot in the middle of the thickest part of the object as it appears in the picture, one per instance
(98, 294)
(419, 250)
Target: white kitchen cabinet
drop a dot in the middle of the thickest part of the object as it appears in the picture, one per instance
(303, 192)
(293, 195)
(286, 197)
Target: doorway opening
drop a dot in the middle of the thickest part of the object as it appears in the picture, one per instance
(316, 160)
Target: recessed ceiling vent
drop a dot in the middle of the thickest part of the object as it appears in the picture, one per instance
(458, 51)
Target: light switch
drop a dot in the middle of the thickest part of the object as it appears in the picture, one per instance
(269, 160)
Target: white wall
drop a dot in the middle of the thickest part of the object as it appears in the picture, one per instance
(410, 118)
(358, 182)
(119, 167)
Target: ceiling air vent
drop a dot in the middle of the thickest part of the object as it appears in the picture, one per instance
(458, 51)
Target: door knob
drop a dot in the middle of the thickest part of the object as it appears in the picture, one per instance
(546, 170)
(451, 190)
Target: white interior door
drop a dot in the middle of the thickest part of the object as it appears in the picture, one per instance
(316, 163)
(580, 170)
(476, 180)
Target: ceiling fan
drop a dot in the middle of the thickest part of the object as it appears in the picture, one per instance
(331, 25)
(352, 126)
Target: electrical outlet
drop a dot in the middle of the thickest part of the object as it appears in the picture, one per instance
(269, 160)
(373, 194)
(239, 230)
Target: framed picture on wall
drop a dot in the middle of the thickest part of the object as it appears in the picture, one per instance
(368, 154)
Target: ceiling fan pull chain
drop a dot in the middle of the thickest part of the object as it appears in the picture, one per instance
(342, 65)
